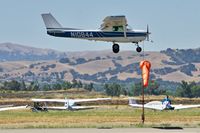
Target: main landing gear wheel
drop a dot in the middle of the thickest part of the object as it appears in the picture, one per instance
(115, 48)
(138, 49)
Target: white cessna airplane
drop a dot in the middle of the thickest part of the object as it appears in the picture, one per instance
(69, 104)
(157, 105)
(114, 29)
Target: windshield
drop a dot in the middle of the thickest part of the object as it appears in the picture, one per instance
(129, 28)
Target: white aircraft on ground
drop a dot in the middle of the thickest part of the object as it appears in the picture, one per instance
(157, 105)
(114, 29)
(12, 107)
(69, 104)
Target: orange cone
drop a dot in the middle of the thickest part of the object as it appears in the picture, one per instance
(145, 67)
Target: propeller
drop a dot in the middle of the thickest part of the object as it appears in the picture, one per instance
(148, 33)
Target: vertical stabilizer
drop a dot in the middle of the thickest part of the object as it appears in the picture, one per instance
(132, 101)
(50, 22)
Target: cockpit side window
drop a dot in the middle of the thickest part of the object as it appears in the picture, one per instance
(118, 28)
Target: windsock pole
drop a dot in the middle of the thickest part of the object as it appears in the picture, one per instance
(143, 115)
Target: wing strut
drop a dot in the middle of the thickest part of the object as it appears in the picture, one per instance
(124, 26)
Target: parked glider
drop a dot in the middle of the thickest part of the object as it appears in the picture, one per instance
(114, 29)
(157, 105)
(69, 104)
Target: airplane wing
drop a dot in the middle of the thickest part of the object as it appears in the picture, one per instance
(13, 108)
(178, 107)
(49, 100)
(83, 107)
(8, 105)
(146, 106)
(56, 108)
(71, 108)
(110, 21)
(156, 105)
(74, 100)
(89, 100)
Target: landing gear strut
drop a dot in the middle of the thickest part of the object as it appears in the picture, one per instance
(115, 48)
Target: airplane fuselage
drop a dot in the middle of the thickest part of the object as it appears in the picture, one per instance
(99, 35)
(114, 29)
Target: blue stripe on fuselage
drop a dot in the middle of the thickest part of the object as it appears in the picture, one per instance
(97, 34)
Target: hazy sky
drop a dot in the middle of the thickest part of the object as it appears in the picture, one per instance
(173, 23)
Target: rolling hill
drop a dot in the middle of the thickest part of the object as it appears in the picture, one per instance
(44, 65)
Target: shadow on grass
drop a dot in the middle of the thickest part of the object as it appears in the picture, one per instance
(104, 128)
(168, 128)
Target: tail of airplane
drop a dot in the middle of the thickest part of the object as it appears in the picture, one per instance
(66, 104)
(50, 21)
(132, 101)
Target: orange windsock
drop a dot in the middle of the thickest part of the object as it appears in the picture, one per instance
(145, 67)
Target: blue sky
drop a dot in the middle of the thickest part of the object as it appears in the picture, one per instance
(173, 23)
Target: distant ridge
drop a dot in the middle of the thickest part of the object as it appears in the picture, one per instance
(17, 52)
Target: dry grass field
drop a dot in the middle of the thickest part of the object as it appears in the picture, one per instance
(114, 113)
(104, 117)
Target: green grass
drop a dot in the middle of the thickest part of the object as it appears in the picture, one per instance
(105, 117)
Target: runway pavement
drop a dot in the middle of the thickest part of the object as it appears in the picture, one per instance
(94, 130)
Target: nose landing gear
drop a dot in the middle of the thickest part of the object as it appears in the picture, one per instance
(138, 49)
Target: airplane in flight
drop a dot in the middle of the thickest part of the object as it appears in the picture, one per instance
(69, 104)
(114, 29)
(158, 105)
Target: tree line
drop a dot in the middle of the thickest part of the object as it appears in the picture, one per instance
(35, 86)
(188, 89)
(115, 89)
(185, 89)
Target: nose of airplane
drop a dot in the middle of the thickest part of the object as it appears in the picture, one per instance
(148, 33)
